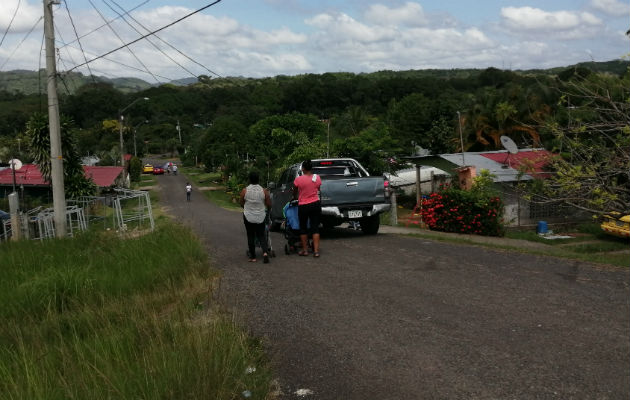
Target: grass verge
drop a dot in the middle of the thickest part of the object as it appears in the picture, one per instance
(211, 180)
(551, 250)
(97, 317)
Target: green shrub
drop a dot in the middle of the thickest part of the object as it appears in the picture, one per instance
(477, 211)
(135, 169)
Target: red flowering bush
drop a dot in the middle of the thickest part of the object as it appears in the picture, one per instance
(454, 210)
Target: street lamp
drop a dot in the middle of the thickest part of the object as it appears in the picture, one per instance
(135, 130)
(121, 120)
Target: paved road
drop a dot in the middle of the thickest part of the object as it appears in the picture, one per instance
(393, 317)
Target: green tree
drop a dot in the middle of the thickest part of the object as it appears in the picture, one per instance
(592, 170)
(135, 169)
(75, 182)
(410, 120)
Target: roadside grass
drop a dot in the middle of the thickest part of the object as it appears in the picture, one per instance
(97, 317)
(599, 253)
(211, 179)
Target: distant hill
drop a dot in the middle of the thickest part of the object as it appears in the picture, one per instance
(29, 82)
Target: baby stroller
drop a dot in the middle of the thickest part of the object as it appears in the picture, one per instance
(291, 228)
(271, 252)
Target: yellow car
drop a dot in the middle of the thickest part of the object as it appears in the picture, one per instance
(617, 226)
(147, 169)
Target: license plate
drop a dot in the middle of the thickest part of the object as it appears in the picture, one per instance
(355, 214)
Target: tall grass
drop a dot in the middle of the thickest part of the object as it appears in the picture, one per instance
(97, 317)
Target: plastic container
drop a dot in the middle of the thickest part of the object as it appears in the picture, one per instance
(542, 227)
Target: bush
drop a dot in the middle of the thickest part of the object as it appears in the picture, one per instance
(478, 211)
(135, 169)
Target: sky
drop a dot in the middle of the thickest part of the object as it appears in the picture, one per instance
(263, 38)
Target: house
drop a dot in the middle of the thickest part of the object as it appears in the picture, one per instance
(508, 171)
(29, 177)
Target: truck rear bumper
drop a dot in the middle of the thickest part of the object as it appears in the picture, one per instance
(338, 213)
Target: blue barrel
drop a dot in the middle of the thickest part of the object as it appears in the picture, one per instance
(542, 227)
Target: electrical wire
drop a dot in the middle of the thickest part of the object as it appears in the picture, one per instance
(122, 64)
(10, 23)
(153, 44)
(79, 41)
(20, 44)
(107, 22)
(164, 41)
(150, 33)
(122, 41)
(60, 60)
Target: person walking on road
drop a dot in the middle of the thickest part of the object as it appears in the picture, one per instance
(306, 189)
(255, 201)
(174, 169)
(188, 190)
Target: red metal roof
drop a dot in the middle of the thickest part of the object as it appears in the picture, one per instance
(532, 161)
(103, 176)
(29, 175)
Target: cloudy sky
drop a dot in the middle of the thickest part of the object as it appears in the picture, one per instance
(258, 38)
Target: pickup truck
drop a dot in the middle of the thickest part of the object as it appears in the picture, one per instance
(348, 193)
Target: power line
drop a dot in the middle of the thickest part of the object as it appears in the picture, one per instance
(122, 41)
(79, 41)
(107, 22)
(11, 22)
(20, 44)
(149, 34)
(153, 44)
(120, 63)
(165, 42)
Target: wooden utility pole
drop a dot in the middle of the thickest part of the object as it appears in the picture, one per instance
(56, 158)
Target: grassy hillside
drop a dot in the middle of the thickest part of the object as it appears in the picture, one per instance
(97, 317)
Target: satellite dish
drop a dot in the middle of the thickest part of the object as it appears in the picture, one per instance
(509, 145)
(15, 164)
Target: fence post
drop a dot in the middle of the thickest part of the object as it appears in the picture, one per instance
(418, 188)
(393, 216)
(14, 209)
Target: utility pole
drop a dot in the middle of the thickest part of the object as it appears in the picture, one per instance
(179, 132)
(56, 157)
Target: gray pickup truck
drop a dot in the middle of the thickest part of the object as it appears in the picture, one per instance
(348, 193)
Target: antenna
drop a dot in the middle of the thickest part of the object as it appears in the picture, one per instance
(511, 148)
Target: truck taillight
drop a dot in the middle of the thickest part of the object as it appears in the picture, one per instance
(386, 186)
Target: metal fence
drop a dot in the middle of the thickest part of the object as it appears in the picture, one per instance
(128, 209)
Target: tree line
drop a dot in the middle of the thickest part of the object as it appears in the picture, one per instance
(238, 123)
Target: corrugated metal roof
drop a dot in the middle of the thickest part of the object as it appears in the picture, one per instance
(501, 163)
(29, 175)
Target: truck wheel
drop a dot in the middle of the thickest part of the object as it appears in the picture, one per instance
(370, 225)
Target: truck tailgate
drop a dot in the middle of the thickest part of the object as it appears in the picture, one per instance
(365, 190)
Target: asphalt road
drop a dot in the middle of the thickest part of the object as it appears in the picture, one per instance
(393, 317)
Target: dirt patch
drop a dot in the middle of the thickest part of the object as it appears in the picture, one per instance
(209, 188)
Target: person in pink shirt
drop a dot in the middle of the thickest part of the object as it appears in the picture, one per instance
(306, 189)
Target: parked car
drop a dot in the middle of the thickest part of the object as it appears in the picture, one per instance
(616, 225)
(158, 171)
(348, 193)
(147, 169)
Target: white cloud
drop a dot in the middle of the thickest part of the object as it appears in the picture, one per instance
(528, 18)
(27, 15)
(410, 14)
(345, 28)
(614, 8)
(553, 25)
